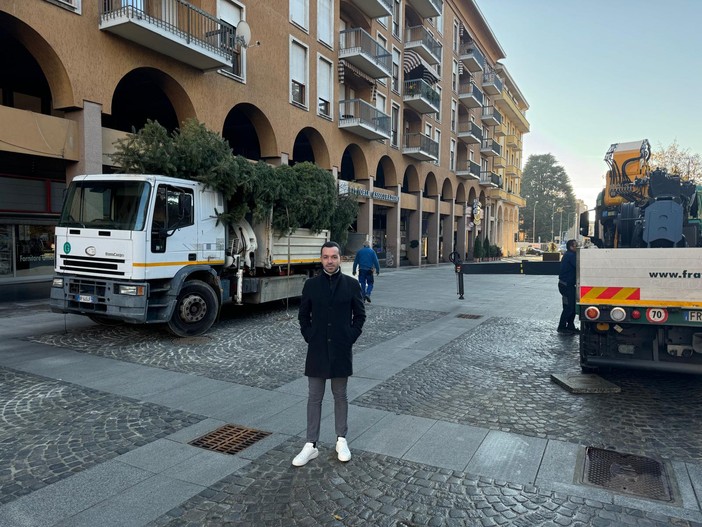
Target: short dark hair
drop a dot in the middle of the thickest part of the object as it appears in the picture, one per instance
(330, 244)
(572, 243)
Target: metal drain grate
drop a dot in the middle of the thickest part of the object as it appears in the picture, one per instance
(229, 439)
(466, 315)
(636, 475)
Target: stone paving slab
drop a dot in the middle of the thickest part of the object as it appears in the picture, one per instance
(258, 348)
(378, 490)
(52, 430)
(497, 376)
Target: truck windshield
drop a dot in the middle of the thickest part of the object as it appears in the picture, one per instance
(116, 205)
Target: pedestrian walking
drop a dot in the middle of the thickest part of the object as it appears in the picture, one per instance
(365, 261)
(331, 319)
(566, 286)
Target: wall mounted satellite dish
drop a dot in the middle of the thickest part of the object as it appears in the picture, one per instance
(243, 34)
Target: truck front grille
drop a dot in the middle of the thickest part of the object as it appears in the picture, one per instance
(95, 290)
(82, 264)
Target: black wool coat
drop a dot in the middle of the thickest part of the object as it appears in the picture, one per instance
(331, 319)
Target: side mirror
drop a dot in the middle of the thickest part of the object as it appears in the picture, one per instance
(585, 223)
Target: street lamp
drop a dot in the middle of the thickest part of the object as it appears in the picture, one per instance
(533, 224)
(553, 213)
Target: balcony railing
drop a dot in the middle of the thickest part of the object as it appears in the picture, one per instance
(420, 96)
(470, 95)
(364, 119)
(499, 162)
(492, 84)
(490, 116)
(513, 112)
(513, 170)
(420, 40)
(374, 8)
(427, 8)
(490, 179)
(513, 141)
(472, 58)
(490, 147)
(174, 28)
(363, 51)
(420, 146)
(469, 132)
(469, 170)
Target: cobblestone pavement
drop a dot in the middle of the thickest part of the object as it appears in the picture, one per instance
(51, 430)
(262, 349)
(497, 376)
(386, 492)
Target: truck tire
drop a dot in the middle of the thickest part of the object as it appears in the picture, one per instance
(195, 310)
(589, 344)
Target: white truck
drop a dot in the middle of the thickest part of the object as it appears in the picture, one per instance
(150, 249)
(641, 308)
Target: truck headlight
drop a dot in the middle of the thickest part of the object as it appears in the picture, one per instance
(132, 290)
(57, 282)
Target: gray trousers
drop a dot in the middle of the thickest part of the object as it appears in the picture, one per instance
(314, 406)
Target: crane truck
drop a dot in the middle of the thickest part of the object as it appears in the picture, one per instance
(640, 290)
(149, 249)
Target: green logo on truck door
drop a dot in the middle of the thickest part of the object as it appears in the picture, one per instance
(67, 248)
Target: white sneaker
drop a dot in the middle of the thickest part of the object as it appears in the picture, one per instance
(307, 453)
(342, 449)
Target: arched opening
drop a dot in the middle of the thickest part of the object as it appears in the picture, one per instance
(310, 146)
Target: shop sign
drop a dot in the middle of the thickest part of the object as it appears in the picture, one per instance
(356, 189)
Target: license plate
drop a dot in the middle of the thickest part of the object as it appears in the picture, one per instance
(86, 299)
(693, 316)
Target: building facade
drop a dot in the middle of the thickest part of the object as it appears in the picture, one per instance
(406, 102)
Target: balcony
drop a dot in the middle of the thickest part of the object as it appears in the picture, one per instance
(513, 141)
(505, 195)
(490, 116)
(499, 162)
(420, 96)
(500, 131)
(374, 8)
(513, 170)
(472, 58)
(427, 8)
(357, 47)
(173, 28)
(490, 179)
(492, 84)
(470, 95)
(418, 39)
(26, 132)
(490, 148)
(470, 133)
(512, 112)
(420, 147)
(469, 170)
(362, 118)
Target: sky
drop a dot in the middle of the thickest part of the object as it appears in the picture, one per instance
(598, 72)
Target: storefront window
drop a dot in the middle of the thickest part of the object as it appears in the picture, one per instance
(26, 251)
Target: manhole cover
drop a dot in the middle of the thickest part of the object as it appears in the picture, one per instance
(229, 439)
(636, 475)
(467, 315)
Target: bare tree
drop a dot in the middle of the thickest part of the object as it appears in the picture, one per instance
(677, 160)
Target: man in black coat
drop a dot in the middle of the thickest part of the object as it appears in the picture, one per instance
(331, 319)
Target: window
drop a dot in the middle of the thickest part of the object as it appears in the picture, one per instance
(232, 14)
(437, 138)
(456, 35)
(427, 130)
(70, 5)
(396, 18)
(437, 115)
(454, 114)
(439, 20)
(325, 21)
(324, 87)
(384, 43)
(395, 70)
(471, 154)
(380, 102)
(298, 73)
(299, 13)
(452, 155)
(454, 76)
(395, 124)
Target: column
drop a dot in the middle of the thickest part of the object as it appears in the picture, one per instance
(433, 232)
(447, 230)
(415, 233)
(89, 121)
(461, 234)
(393, 233)
(364, 221)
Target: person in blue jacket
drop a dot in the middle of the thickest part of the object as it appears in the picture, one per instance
(365, 261)
(566, 286)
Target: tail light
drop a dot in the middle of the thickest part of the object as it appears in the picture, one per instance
(617, 314)
(592, 313)
(635, 314)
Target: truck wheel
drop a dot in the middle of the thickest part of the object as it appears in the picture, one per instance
(195, 311)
